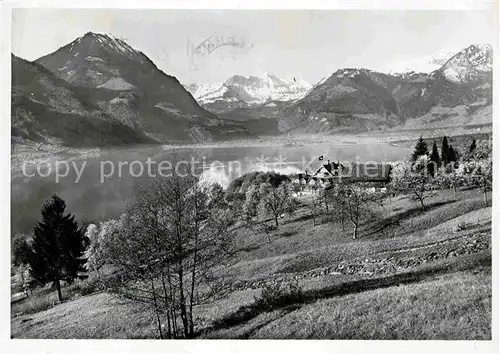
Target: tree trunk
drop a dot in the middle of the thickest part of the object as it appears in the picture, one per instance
(58, 287)
(421, 200)
(276, 220)
(485, 194)
(167, 305)
(157, 311)
(422, 203)
(182, 301)
(193, 276)
(355, 231)
(173, 313)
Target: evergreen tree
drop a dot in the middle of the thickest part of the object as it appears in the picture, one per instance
(420, 150)
(445, 150)
(58, 246)
(434, 160)
(452, 155)
(472, 146)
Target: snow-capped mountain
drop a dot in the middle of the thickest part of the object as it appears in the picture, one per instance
(420, 64)
(469, 65)
(243, 91)
(457, 93)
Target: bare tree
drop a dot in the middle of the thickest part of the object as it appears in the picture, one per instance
(479, 168)
(276, 200)
(415, 179)
(174, 242)
(356, 204)
(315, 207)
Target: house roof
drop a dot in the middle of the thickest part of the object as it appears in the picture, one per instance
(329, 167)
(352, 172)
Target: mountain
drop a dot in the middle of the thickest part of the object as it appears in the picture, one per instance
(247, 91)
(420, 64)
(472, 64)
(46, 108)
(349, 100)
(352, 100)
(126, 85)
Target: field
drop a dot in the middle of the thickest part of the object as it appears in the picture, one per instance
(410, 275)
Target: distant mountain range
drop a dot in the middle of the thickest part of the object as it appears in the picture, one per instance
(247, 91)
(99, 82)
(98, 90)
(419, 64)
(455, 90)
(350, 100)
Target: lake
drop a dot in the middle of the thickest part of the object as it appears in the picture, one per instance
(106, 181)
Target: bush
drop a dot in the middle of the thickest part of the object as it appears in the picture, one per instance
(277, 295)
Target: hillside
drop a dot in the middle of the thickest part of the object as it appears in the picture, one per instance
(48, 109)
(415, 277)
(352, 100)
(454, 90)
(125, 84)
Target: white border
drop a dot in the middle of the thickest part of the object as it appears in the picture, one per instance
(217, 346)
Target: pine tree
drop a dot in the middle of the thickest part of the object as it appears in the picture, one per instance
(452, 155)
(434, 160)
(445, 150)
(472, 146)
(420, 149)
(58, 246)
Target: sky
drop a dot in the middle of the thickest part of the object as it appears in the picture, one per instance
(304, 44)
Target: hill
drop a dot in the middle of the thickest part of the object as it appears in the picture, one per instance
(48, 109)
(352, 100)
(127, 86)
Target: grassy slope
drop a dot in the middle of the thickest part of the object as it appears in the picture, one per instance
(298, 247)
(453, 306)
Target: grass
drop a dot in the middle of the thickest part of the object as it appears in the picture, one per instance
(453, 306)
(300, 246)
(95, 316)
(45, 298)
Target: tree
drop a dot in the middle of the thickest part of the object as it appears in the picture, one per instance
(97, 252)
(452, 176)
(452, 154)
(448, 154)
(21, 251)
(173, 239)
(479, 168)
(480, 174)
(420, 149)
(434, 160)
(315, 207)
(58, 246)
(21, 254)
(357, 203)
(472, 146)
(276, 200)
(413, 178)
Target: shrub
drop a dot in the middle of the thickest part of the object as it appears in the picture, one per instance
(277, 295)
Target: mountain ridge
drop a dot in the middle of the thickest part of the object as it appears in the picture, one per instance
(240, 91)
(360, 99)
(129, 88)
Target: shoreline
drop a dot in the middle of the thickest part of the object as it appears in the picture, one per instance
(22, 152)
